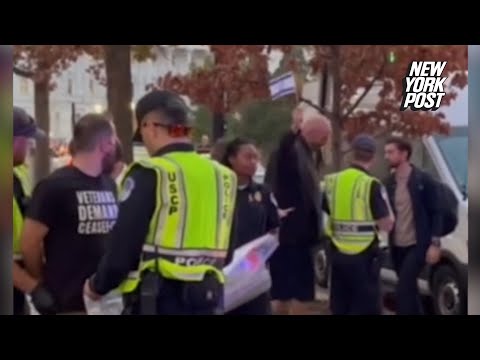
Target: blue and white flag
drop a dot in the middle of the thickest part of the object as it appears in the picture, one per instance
(282, 86)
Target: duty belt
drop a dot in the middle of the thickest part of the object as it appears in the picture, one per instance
(351, 227)
(189, 257)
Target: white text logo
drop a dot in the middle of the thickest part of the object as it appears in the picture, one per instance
(424, 86)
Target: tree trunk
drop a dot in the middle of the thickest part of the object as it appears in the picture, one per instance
(336, 113)
(218, 130)
(120, 93)
(42, 116)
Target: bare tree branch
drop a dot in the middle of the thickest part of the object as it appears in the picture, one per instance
(22, 72)
(367, 90)
(316, 107)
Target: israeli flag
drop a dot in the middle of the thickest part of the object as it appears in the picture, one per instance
(283, 85)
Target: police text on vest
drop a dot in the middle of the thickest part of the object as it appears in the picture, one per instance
(424, 86)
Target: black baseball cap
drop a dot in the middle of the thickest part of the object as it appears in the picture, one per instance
(364, 142)
(24, 125)
(169, 103)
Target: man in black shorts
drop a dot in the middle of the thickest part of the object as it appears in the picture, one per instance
(292, 174)
(70, 215)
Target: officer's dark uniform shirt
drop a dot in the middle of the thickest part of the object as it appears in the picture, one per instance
(137, 205)
(256, 213)
(378, 199)
(79, 211)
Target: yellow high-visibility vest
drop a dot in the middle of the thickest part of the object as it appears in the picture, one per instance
(351, 225)
(23, 175)
(189, 232)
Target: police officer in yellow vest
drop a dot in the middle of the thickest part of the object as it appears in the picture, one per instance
(358, 209)
(24, 129)
(171, 239)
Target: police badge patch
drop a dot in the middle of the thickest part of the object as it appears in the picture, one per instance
(127, 188)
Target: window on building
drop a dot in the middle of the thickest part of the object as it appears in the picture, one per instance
(24, 87)
(91, 86)
(70, 87)
(180, 60)
(198, 58)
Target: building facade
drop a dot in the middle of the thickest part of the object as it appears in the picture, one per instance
(77, 91)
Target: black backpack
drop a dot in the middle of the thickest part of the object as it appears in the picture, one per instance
(448, 206)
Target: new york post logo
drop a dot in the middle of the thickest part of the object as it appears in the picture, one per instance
(424, 86)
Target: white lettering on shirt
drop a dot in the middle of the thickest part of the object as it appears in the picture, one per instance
(97, 212)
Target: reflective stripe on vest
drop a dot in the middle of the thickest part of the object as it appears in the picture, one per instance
(23, 175)
(351, 225)
(189, 232)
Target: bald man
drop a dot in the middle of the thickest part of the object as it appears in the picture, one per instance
(293, 176)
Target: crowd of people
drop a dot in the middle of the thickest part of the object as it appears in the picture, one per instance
(163, 237)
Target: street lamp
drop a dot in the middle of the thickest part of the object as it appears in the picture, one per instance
(132, 105)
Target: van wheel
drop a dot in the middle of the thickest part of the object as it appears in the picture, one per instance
(321, 267)
(448, 296)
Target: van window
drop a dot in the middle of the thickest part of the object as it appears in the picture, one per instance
(422, 159)
(454, 149)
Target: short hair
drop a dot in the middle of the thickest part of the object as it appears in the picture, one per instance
(88, 132)
(218, 149)
(232, 148)
(401, 144)
(362, 155)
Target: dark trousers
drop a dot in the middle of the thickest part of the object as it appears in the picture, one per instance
(258, 306)
(19, 303)
(408, 263)
(355, 283)
(169, 302)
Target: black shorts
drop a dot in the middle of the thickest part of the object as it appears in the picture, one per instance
(293, 275)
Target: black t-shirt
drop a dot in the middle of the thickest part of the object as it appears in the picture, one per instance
(256, 214)
(79, 211)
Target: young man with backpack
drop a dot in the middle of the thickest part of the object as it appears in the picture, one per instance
(423, 215)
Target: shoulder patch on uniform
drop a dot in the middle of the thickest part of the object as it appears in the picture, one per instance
(127, 188)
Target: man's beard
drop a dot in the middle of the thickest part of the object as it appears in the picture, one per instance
(394, 166)
(108, 163)
(18, 160)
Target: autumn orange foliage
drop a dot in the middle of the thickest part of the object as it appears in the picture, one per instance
(42, 62)
(362, 67)
(240, 74)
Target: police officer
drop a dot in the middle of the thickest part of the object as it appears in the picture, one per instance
(358, 209)
(171, 240)
(256, 210)
(24, 129)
